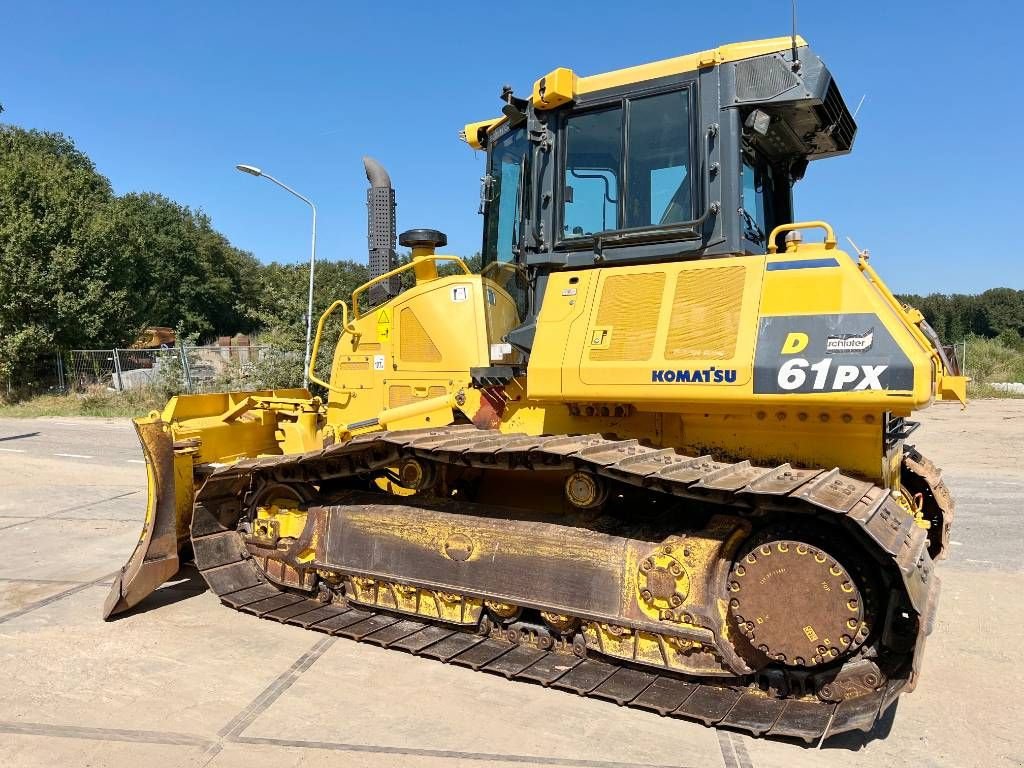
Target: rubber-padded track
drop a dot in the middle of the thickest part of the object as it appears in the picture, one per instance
(240, 584)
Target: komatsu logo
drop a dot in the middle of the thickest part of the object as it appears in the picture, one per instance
(710, 375)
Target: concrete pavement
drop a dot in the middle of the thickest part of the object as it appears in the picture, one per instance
(183, 681)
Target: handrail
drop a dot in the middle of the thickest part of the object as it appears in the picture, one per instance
(948, 382)
(910, 315)
(345, 326)
(830, 235)
(397, 271)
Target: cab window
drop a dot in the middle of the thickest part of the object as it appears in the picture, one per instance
(628, 166)
(593, 158)
(503, 214)
(753, 214)
(658, 158)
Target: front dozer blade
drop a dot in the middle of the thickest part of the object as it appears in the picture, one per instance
(155, 558)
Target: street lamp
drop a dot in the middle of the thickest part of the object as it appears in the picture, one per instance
(252, 170)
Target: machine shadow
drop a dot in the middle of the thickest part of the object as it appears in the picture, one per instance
(850, 741)
(186, 583)
(853, 741)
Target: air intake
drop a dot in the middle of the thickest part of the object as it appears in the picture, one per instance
(763, 79)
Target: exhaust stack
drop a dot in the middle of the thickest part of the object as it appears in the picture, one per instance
(380, 234)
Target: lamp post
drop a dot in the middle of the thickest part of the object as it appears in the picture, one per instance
(254, 171)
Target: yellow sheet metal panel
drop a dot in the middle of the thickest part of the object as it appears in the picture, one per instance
(429, 336)
(500, 310)
(650, 317)
(821, 282)
(560, 331)
(557, 87)
(681, 64)
(446, 314)
(664, 336)
(403, 394)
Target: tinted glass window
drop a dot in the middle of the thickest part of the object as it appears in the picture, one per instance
(504, 197)
(658, 160)
(592, 166)
(752, 202)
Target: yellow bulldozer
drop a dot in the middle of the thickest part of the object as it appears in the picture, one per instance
(653, 453)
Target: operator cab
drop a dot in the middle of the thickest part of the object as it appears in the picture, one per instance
(692, 157)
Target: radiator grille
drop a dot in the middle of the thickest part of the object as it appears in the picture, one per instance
(705, 314)
(836, 120)
(629, 306)
(415, 343)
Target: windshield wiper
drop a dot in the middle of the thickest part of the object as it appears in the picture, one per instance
(752, 227)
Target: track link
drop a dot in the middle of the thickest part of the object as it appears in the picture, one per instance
(226, 566)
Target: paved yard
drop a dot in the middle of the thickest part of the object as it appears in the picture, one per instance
(183, 681)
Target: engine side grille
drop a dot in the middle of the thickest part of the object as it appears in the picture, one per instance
(705, 314)
(415, 344)
(630, 306)
(401, 394)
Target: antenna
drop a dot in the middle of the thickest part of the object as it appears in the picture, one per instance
(859, 105)
(796, 60)
(865, 254)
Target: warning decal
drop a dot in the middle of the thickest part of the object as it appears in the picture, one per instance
(383, 326)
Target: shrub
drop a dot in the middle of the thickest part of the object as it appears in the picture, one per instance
(990, 361)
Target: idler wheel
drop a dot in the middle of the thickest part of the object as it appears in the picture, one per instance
(796, 604)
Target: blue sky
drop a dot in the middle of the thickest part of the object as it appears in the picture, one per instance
(168, 96)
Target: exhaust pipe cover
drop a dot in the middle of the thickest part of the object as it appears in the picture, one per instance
(380, 234)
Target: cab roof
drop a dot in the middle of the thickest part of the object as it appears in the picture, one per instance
(563, 85)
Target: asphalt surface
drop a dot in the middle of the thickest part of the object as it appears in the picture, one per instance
(183, 681)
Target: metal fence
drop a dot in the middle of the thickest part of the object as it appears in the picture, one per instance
(43, 374)
(186, 369)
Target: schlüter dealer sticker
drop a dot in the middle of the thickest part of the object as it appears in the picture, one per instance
(828, 353)
(854, 342)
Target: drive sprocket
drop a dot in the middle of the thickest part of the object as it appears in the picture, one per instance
(796, 603)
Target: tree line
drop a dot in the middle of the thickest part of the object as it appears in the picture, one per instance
(81, 267)
(998, 313)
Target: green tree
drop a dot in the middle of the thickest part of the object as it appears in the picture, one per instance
(986, 315)
(60, 283)
(280, 309)
(184, 273)
(1002, 309)
(80, 267)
